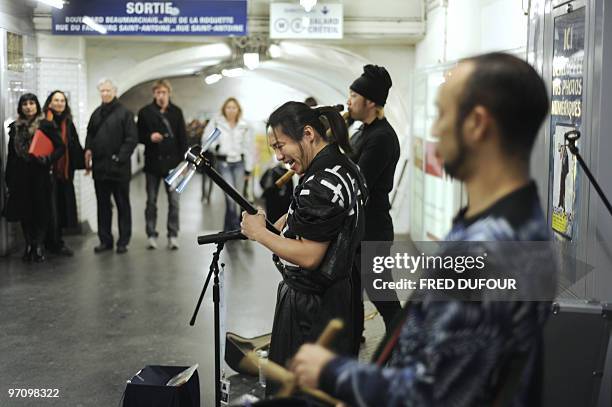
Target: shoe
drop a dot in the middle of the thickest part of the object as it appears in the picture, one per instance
(237, 347)
(121, 249)
(65, 251)
(27, 254)
(103, 248)
(173, 243)
(38, 256)
(152, 243)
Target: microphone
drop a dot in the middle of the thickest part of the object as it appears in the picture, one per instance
(571, 137)
(182, 174)
(221, 237)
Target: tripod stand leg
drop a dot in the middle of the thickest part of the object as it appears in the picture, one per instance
(216, 298)
(197, 308)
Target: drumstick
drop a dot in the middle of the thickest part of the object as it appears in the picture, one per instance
(329, 334)
(288, 381)
(284, 179)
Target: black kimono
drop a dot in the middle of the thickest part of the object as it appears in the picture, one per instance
(327, 206)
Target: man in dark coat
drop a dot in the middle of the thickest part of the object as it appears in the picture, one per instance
(376, 150)
(111, 138)
(161, 128)
(485, 351)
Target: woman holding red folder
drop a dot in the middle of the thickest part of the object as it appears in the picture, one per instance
(28, 175)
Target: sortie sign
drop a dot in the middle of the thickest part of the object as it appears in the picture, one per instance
(177, 17)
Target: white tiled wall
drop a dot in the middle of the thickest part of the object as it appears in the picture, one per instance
(69, 75)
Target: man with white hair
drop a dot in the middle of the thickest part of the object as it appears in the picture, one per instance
(111, 138)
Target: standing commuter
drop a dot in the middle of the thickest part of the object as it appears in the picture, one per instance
(111, 138)
(161, 128)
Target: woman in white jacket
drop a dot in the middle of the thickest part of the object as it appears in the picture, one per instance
(234, 153)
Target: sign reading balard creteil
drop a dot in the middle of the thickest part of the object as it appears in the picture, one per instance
(291, 21)
(177, 17)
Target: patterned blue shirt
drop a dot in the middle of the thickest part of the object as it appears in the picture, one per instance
(449, 353)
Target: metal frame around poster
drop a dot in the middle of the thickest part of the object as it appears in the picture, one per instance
(574, 248)
(572, 223)
(4, 226)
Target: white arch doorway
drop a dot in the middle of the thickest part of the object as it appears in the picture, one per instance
(324, 72)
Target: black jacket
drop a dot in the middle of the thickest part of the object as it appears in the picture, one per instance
(27, 179)
(308, 299)
(377, 152)
(161, 157)
(66, 215)
(111, 137)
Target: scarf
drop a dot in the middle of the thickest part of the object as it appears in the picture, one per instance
(61, 167)
(24, 132)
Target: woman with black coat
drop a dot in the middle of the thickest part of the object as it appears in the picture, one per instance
(28, 177)
(63, 195)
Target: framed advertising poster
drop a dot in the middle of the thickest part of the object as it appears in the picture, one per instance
(565, 115)
(564, 183)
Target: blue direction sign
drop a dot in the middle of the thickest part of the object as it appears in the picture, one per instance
(177, 17)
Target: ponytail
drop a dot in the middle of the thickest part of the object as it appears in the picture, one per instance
(337, 126)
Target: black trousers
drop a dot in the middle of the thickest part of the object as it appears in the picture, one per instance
(378, 229)
(63, 202)
(120, 191)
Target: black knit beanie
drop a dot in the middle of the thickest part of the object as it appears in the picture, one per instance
(373, 84)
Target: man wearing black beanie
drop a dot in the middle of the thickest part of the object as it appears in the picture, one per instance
(376, 150)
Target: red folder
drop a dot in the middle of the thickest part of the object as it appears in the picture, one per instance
(41, 145)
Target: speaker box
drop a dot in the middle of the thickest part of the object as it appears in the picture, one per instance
(148, 388)
(576, 340)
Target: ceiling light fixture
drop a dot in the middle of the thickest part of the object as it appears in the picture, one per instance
(308, 4)
(232, 72)
(251, 60)
(275, 51)
(53, 3)
(214, 78)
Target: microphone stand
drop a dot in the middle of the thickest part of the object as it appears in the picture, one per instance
(571, 137)
(214, 270)
(195, 156)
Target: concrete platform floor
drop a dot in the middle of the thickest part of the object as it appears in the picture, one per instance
(86, 324)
